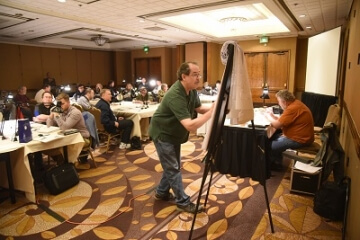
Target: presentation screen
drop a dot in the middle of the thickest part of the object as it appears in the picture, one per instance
(322, 62)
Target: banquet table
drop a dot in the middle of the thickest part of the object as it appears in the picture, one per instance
(50, 138)
(137, 112)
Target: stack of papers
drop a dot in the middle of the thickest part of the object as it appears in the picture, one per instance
(306, 167)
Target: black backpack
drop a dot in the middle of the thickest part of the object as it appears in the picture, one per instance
(135, 143)
(331, 199)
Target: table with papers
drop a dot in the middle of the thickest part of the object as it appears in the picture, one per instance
(138, 113)
(43, 139)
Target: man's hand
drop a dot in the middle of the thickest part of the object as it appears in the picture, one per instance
(116, 124)
(53, 115)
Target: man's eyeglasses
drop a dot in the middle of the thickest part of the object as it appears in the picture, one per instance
(195, 75)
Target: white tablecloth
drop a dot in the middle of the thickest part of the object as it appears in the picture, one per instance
(138, 113)
(23, 179)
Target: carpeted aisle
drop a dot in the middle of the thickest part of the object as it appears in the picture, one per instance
(115, 201)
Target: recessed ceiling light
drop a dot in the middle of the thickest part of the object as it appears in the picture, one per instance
(302, 16)
(62, 1)
(308, 27)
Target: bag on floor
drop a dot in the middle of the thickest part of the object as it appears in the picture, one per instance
(60, 178)
(330, 201)
(135, 143)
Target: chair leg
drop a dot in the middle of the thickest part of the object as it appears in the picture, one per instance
(108, 144)
(92, 158)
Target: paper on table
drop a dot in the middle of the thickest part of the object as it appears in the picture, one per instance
(49, 138)
(306, 167)
(46, 129)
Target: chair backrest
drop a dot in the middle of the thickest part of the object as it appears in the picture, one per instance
(333, 115)
(90, 124)
(78, 107)
(97, 114)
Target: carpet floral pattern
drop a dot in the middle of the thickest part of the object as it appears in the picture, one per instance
(115, 201)
(293, 218)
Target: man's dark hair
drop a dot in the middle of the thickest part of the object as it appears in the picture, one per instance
(184, 69)
(46, 85)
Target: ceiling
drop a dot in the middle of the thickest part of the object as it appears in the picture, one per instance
(138, 23)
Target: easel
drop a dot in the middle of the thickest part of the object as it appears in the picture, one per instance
(214, 140)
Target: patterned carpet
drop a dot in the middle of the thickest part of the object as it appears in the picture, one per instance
(115, 201)
(294, 218)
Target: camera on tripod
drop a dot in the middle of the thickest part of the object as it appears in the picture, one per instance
(57, 108)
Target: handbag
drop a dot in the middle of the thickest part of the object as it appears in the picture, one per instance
(60, 178)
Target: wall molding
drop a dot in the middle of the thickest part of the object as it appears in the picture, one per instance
(353, 130)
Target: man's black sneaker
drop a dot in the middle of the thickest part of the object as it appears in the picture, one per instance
(190, 208)
(167, 197)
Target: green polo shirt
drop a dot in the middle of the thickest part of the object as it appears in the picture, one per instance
(176, 105)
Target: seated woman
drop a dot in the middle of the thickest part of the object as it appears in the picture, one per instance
(129, 92)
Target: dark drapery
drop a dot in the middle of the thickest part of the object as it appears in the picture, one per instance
(318, 105)
(236, 155)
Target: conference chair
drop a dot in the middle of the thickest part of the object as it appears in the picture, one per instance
(93, 140)
(100, 127)
(78, 106)
(86, 150)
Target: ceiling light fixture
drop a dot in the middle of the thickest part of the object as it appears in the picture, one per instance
(99, 40)
(233, 22)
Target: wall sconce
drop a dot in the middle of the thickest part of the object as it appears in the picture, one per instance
(264, 40)
(265, 94)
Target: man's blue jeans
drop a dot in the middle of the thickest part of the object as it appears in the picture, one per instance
(169, 155)
(279, 144)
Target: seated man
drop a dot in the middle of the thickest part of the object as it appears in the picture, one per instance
(98, 88)
(69, 118)
(128, 93)
(42, 111)
(162, 91)
(144, 96)
(84, 100)
(79, 92)
(39, 94)
(110, 122)
(296, 123)
(23, 102)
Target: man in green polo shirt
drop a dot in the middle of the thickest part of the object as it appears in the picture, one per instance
(170, 127)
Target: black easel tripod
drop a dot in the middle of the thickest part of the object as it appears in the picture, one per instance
(215, 138)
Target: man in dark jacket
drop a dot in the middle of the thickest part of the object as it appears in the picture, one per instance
(111, 123)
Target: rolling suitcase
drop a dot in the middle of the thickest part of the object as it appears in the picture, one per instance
(60, 178)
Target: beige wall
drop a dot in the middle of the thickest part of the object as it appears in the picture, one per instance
(350, 127)
(122, 67)
(28, 65)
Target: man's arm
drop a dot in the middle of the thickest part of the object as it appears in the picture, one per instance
(193, 124)
(274, 120)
